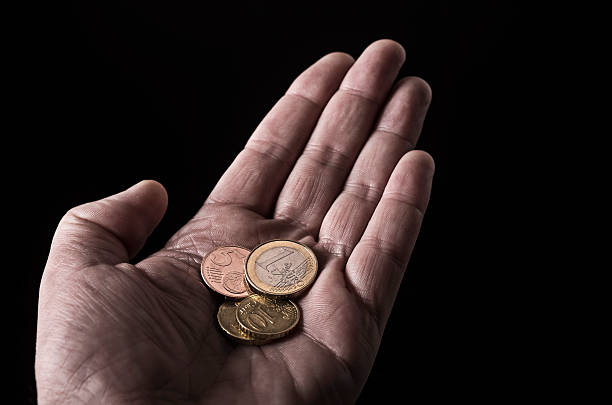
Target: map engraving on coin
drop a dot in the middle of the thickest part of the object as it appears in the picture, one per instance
(281, 266)
(233, 282)
(223, 271)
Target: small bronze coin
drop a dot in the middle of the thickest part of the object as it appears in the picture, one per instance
(267, 318)
(223, 271)
(226, 316)
(281, 268)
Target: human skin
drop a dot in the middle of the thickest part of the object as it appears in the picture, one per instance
(331, 165)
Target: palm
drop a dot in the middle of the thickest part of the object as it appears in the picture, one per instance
(307, 174)
(335, 326)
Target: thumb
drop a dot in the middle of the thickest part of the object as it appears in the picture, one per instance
(111, 230)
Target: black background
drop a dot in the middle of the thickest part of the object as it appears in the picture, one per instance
(109, 93)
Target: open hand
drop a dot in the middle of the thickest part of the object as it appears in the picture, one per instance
(330, 166)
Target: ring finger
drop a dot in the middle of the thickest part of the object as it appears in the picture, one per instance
(396, 132)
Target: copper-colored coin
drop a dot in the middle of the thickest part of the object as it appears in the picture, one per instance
(267, 318)
(226, 316)
(223, 271)
(281, 268)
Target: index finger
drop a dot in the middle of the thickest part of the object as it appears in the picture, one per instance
(256, 176)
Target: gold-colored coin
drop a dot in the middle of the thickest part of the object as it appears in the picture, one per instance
(226, 316)
(267, 318)
(280, 268)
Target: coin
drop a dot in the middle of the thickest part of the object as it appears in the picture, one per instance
(281, 268)
(223, 271)
(266, 318)
(226, 316)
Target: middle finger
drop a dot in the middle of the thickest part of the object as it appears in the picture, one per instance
(344, 125)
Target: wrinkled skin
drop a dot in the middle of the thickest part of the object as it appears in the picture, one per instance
(332, 166)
